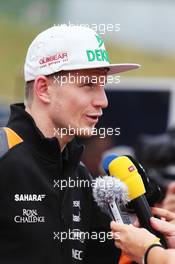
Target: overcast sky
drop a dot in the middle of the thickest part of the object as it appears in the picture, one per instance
(149, 25)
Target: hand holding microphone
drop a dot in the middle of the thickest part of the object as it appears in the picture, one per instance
(139, 243)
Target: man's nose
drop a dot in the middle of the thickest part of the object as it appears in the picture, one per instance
(100, 98)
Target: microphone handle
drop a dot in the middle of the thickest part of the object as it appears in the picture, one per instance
(144, 214)
(119, 213)
(115, 212)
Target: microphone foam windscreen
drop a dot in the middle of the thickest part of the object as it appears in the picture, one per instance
(108, 189)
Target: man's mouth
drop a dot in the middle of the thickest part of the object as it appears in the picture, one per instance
(93, 118)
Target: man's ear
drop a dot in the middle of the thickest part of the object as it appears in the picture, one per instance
(41, 88)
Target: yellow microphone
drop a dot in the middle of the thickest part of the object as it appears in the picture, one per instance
(124, 169)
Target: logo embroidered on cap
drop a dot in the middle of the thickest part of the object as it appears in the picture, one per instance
(100, 41)
(98, 54)
(57, 58)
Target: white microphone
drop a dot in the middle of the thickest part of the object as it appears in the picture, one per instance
(112, 195)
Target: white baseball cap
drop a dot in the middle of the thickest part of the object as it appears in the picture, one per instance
(68, 48)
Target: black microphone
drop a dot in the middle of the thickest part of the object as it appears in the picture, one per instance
(153, 193)
(124, 169)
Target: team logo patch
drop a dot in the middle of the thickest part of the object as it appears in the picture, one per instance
(59, 57)
(99, 54)
(29, 197)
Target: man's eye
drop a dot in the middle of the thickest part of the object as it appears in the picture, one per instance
(89, 84)
(85, 84)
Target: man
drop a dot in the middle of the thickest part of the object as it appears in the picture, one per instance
(41, 200)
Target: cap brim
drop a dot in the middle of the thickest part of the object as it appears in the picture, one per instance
(113, 68)
(116, 68)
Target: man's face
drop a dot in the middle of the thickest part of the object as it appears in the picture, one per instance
(77, 100)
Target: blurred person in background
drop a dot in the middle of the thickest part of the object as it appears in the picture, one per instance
(157, 155)
(92, 157)
(39, 152)
(169, 200)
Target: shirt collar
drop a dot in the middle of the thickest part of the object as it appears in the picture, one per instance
(24, 125)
